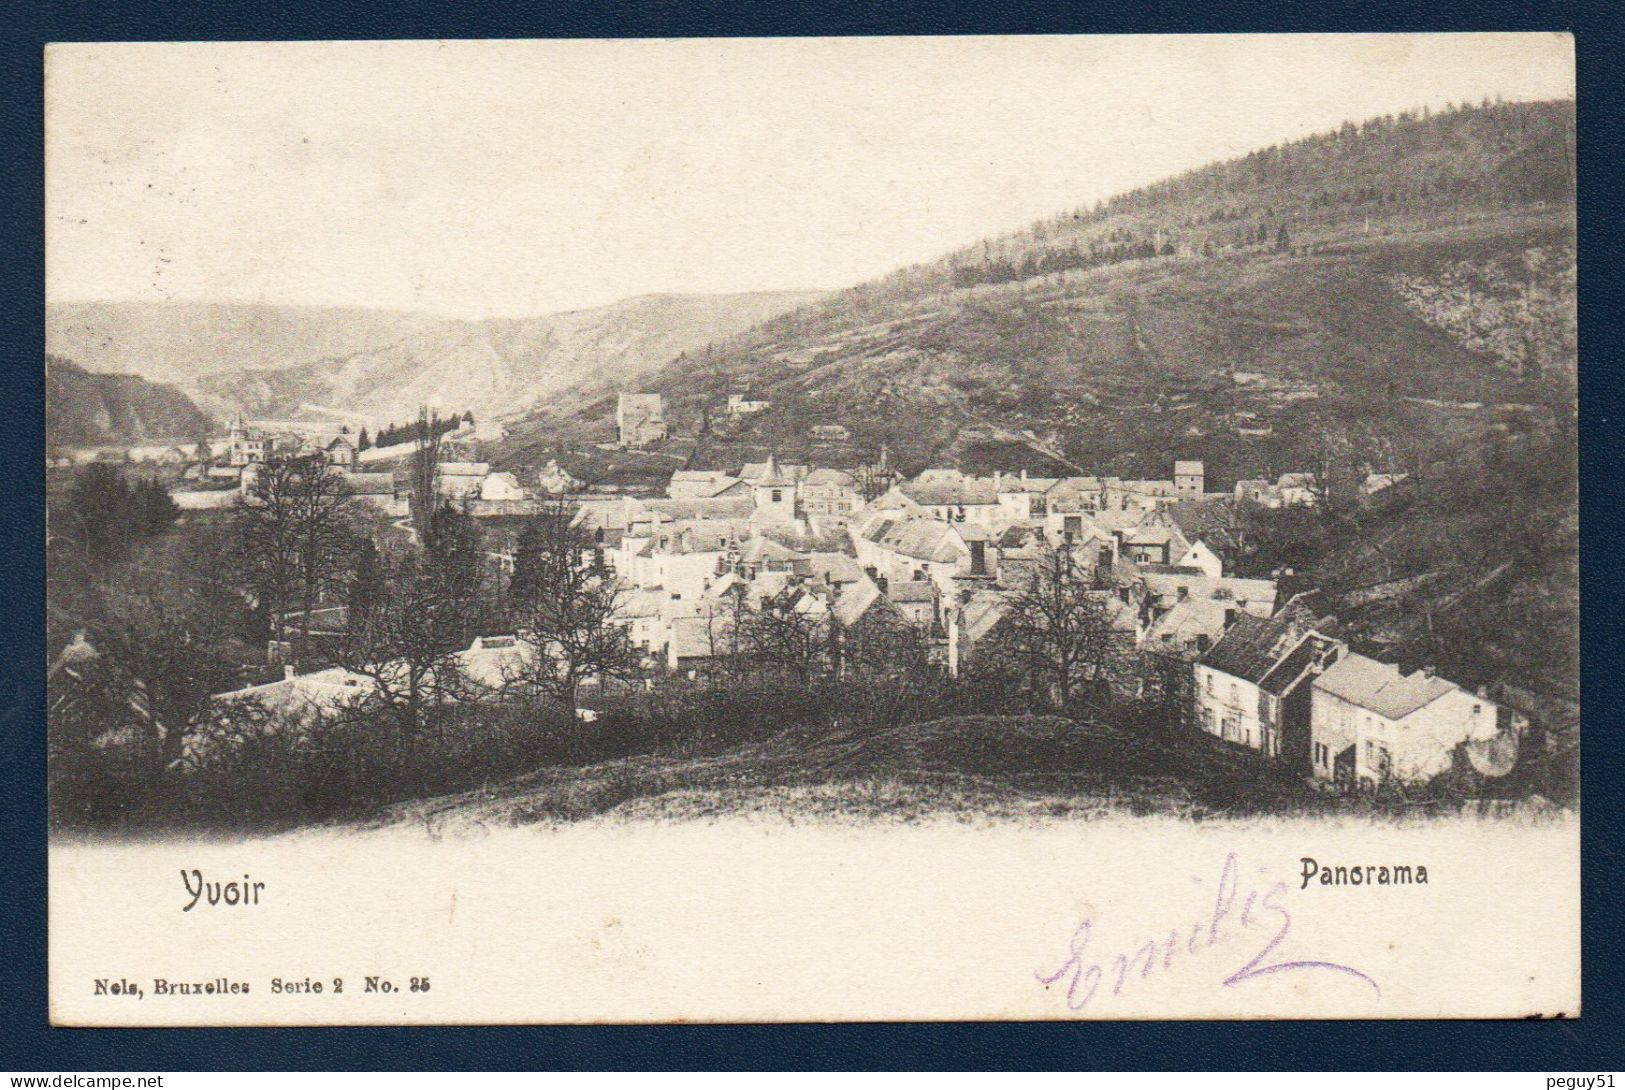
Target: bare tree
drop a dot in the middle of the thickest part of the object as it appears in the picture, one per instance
(726, 626)
(883, 644)
(159, 641)
(568, 607)
(401, 642)
(1057, 631)
(872, 481)
(297, 527)
(796, 639)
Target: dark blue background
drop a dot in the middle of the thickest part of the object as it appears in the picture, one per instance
(28, 1044)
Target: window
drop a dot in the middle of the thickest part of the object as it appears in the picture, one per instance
(1210, 684)
(778, 495)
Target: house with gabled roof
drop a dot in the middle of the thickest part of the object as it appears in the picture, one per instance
(640, 420)
(955, 499)
(696, 484)
(378, 489)
(1189, 627)
(919, 600)
(1020, 497)
(829, 492)
(1203, 559)
(897, 550)
(341, 452)
(1253, 686)
(1371, 723)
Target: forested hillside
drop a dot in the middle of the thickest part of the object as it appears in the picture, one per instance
(1229, 314)
(82, 407)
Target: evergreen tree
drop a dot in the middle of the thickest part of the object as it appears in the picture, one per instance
(98, 511)
(151, 506)
(363, 442)
(366, 589)
(454, 559)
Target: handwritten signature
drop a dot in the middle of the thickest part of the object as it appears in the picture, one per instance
(1083, 976)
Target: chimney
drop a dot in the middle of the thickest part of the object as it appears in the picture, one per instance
(1229, 618)
(998, 479)
(287, 672)
(1024, 474)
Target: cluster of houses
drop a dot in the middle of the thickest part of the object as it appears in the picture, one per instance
(640, 420)
(946, 552)
(371, 477)
(1290, 688)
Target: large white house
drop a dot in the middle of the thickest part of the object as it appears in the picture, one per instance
(1370, 722)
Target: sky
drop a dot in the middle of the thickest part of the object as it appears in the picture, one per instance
(488, 179)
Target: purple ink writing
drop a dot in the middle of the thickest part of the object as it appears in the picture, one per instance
(1083, 977)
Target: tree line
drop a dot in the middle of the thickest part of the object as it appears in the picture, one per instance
(431, 424)
(105, 512)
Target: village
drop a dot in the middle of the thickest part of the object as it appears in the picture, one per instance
(952, 560)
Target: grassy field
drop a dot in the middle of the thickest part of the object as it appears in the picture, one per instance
(972, 768)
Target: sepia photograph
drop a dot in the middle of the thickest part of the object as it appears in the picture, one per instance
(812, 529)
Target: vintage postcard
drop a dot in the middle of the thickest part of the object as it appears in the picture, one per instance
(812, 529)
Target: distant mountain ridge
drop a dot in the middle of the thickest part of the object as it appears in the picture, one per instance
(271, 360)
(85, 408)
(177, 342)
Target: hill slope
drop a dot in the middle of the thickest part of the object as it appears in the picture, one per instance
(972, 768)
(82, 407)
(1429, 257)
(499, 366)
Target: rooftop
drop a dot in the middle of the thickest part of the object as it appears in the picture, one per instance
(912, 590)
(962, 493)
(1380, 687)
(921, 538)
(1251, 647)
